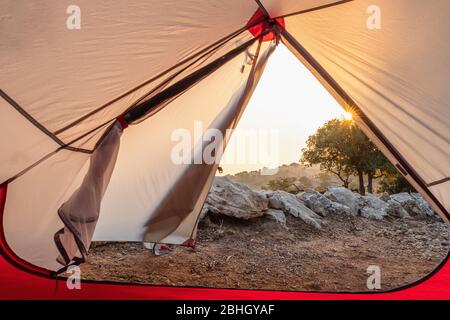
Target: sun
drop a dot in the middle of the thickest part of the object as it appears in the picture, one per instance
(348, 116)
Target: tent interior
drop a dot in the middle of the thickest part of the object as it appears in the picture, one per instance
(88, 115)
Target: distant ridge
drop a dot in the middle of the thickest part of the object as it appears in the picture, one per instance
(318, 179)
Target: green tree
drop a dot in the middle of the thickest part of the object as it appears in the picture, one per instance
(282, 183)
(325, 180)
(325, 149)
(305, 182)
(394, 182)
(341, 148)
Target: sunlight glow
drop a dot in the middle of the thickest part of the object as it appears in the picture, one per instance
(289, 100)
(347, 116)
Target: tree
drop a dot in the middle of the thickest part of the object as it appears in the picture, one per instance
(377, 166)
(394, 182)
(305, 182)
(325, 180)
(341, 148)
(324, 148)
(282, 183)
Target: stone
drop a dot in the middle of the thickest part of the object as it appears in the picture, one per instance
(277, 215)
(288, 203)
(265, 193)
(423, 204)
(372, 207)
(320, 204)
(345, 197)
(414, 205)
(235, 200)
(385, 196)
(395, 209)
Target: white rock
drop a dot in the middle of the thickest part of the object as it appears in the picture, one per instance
(372, 213)
(345, 197)
(395, 209)
(265, 193)
(385, 196)
(423, 204)
(373, 201)
(373, 207)
(414, 204)
(401, 197)
(315, 201)
(338, 208)
(235, 200)
(277, 215)
(290, 204)
(321, 205)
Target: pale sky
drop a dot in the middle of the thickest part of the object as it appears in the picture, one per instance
(289, 100)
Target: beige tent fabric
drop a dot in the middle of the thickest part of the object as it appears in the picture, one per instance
(188, 228)
(145, 172)
(30, 216)
(80, 212)
(31, 225)
(188, 194)
(119, 46)
(21, 142)
(51, 76)
(397, 75)
(278, 8)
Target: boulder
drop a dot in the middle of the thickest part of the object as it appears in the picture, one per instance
(369, 206)
(320, 204)
(288, 203)
(239, 201)
(373, 207)
(345, 197)
(337, 208)
(414, 205)
(265, 193)
(277, 215)
(396, 210)
(423, 205)
(235, 200)
(385, 197)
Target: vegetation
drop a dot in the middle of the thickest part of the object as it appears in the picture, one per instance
(395, 183)
(290, 184)
(283, 183)
(341, 148)
(305, 176)
(325, 180)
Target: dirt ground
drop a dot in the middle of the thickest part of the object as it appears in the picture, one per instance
(262, 254)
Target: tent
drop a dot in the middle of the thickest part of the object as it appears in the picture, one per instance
(87, 113)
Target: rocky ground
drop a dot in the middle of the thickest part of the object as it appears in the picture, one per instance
(274, 240)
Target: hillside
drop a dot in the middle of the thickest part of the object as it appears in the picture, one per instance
(318, 180)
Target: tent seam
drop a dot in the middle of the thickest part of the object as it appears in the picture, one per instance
(67, 146)
(437, 182)
(217, 43)
(263, 9)
(185, 83)
(37, 124)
